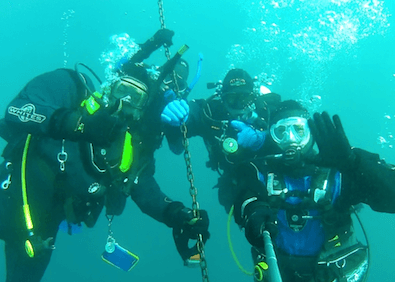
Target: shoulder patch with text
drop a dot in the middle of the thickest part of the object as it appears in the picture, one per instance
(26, 113)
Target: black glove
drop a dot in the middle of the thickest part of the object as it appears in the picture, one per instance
(261, 219)
(99, 128)
(185, 227)
(334, 149)
(178, 216)
(163, 37)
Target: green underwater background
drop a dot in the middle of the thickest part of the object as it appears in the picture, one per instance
(334, 55)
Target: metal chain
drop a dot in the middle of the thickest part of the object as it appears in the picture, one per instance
(110, 219)
(110, 244)
(167, 51)
(190, 176)
(162, 25)
(187, 157)
(195, 205)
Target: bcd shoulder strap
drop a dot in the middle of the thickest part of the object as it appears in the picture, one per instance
(318, 195)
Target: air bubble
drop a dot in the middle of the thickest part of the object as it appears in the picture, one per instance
(69, 14)
(122, 48)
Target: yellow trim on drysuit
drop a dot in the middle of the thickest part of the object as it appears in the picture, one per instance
(127, 153)
(26, 210)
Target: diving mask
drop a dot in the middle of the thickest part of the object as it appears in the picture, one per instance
(180, 86)
(241, 106)
(291, 131)
(238, 101)
(131, 91)
(177, 79)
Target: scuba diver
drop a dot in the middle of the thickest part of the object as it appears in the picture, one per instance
(305, 199)
(232, 122)
(72, 150)
(284, 187)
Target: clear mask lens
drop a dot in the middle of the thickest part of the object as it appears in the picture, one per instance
(132, 92)
(293, 130)
(169, 84)
(238, 101)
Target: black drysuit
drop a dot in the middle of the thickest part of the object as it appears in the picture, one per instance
(55, 195)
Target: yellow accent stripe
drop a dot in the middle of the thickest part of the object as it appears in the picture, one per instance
(263, 265)
(97, 94)
(28, 219)
(91, 104)
(127, 153)
(26, 210)
(334, 238)
(231, 245)
(29, 248)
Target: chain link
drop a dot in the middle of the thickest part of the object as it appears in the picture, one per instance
(195, 205)
(110, 244)
(162, 25)
(110, 219)
(187, 157)
(167, 51)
